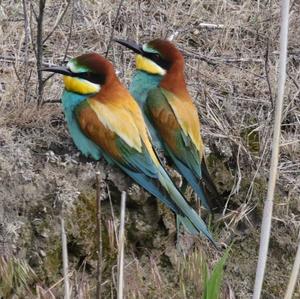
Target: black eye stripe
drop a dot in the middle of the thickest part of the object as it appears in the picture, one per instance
(93, 78)
(155, 57)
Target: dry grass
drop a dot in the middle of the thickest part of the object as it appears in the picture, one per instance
(231, 73)
(16, 277)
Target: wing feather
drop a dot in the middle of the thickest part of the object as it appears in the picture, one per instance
(110, 117)
(187, 116)
(134, 158)
(138, 165)
(176, 138)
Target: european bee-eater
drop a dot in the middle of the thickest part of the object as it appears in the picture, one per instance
(104, 119)
(159, 87)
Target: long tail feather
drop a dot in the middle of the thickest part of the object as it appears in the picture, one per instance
(192, 180)
(173, 199)
(150, 185)
(210, 199)
(215, 197)
(167, 192)
(190, 216)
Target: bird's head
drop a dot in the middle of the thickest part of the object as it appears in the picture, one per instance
(85, 74)
(155, 57)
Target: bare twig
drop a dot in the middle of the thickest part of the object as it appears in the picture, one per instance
(293, 80)
(51, 102)
(65, 259)
(31, 62)
(32, 13)
(42, 293)
(212, 60)
(17, 73)
(57, 283)
(26, 42)
(58, 21)
(267, 69)
(211, 26)
(268, 208)
(68, 42)
(121, 248)
(112, 214)
(99, 235)
(70, 32)
(294, 274)
(113, 28)
(39, 53)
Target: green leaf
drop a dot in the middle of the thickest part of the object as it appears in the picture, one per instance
(213, 282)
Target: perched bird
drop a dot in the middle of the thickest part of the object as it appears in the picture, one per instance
(104, 119)
(159, 87)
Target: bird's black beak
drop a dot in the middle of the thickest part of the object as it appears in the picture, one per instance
(130, 45)
(138, 49)
(59, 70)
(94, 78)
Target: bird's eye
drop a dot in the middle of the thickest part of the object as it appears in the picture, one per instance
(156, 56)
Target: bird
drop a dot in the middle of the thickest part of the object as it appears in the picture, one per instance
(105, 120)
(159, 86)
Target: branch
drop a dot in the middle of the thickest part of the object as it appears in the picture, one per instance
(51, 102)
(32, 39)
(17, 74)
(65, 258)
(114, 26)
(211, 26)
(12, 59)
(268, 207)
(39, 54)
(267, 73)
(68, 43)
(100, 187)
(70, 32)
(57, 22)
(33, 10)
(217, 60)
(121, 248)
(26, 42)
(294, 275)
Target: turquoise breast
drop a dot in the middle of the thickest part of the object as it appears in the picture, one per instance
(141, 84)
(87, 147)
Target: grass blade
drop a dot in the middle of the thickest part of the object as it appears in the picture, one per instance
(213, 283)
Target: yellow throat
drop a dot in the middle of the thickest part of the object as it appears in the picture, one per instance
(148, 66)
(80, 86)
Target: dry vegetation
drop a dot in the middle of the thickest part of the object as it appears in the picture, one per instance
(231, 73)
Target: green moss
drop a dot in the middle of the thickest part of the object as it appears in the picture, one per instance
(82, 226)
(53, 262)
(251, 138)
